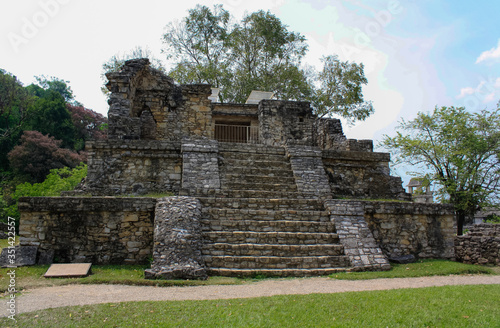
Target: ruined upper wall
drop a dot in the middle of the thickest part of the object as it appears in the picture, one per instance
(146, 104)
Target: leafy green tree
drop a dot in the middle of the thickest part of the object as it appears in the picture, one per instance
(461, 152)
(199, 47)
(340, 90)
(15, 101)
(49, 115)
(266, 56)
(260, 53)
(58, 85)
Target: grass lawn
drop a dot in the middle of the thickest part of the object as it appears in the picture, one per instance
(449, 306)
(421, 268)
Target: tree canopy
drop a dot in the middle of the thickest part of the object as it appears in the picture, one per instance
(461, 153)
(260, 53)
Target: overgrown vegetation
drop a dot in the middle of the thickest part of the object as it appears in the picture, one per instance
(58, 180)
(449, 306)
(42, 127)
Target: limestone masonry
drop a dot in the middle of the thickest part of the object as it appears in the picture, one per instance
(260, 189)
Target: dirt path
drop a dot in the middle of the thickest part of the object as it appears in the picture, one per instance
(51, 297)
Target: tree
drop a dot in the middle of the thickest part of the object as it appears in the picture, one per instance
(58, 85)
(38, 154)
(88, 125)
(461, 152)
(341, 90)
(199, 47)
(260, 53)
(14, 103)
(49, 115)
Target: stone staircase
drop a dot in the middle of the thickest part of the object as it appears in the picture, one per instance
(259, 223)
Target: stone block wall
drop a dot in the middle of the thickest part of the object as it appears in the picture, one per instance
(363, 251)
(200, 164)
(101, 230)
(402, 228)
(481, 245)
(362, 174)
(308, 171)
(133, 167)
(285, 122)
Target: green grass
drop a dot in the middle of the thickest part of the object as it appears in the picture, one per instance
(5, 243)
(32, 277)
(449, 306)
(420, 268)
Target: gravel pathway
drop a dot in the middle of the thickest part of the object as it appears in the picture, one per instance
(51, 297)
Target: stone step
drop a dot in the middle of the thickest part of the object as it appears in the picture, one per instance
(276, 262)
(252, 237)
(227, 272)
(250, 148)
(254, 157)
(302, 204)
(258, 186)
(221, 249)
(236, 193)
(250, 178)
(267, 225)
(249, 170)
(228, 163)
(265, 215)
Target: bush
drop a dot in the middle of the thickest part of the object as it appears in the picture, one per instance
(58, 180)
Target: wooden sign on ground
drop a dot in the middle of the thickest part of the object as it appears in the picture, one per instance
(68, 270)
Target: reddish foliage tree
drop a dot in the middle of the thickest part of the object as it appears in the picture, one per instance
(38, 154)
(89, 125)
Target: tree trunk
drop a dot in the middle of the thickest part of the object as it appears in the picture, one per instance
(460, 222)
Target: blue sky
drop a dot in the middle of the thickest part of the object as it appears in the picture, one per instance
(417, 54)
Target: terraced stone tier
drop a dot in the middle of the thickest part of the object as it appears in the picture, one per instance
(276, 262)
(274, 272)
(221, 249)
(263, 204)
(266, 225)
(266, 215)
(275, 237)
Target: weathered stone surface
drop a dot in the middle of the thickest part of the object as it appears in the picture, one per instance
(18, 256)
(84, 229)
(4, 228)
(352, 229)
(403, 259)
(481, 245)
(177, 240)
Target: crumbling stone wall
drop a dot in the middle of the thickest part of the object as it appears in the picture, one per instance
(402, 228)
(101, 230)
(481, 245)
(362, 174)
(146, 104)
(285, 123)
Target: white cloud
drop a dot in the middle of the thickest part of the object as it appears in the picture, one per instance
(485, 92)
(466, 92)
(493, 53)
